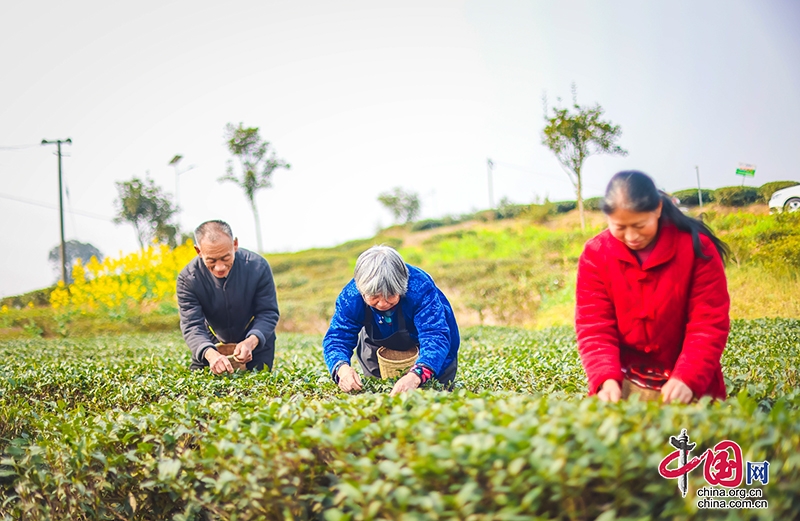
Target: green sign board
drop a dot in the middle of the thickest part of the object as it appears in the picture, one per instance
(746, 169)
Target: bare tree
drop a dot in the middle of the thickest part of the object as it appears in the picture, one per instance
(256, 164)
(574, 134)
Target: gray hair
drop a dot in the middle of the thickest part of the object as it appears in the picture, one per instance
(381, 271)
(212, 231)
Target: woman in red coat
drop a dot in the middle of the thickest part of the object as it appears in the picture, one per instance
(652, 294)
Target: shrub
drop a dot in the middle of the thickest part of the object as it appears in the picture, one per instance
(766, 190)
(485, 216)
(39, 297)
(689, 196)
(563, 206)
(429, 224)
(508, 210)
(592, 204)
(736, 195)
(538, 213)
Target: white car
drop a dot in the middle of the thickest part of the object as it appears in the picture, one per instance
(787, 199)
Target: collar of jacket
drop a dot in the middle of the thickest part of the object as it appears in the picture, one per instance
(666, 244)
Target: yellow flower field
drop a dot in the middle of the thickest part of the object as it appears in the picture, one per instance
(142, 277)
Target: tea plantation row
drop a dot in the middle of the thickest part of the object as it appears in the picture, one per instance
(118, 428)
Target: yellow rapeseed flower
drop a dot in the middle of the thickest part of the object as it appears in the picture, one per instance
(148, 275)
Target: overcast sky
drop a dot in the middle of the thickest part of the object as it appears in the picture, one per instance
(361, 97)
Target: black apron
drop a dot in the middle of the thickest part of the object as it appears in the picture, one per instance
(400, 340)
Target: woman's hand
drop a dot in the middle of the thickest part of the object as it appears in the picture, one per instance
(407, 383)
(676, 391)
(348, 379)
(610, 391)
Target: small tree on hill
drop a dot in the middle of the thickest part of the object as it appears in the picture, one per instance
(575, 134)
(145, 206)
(74, 250)
(256, 164)
(403, 205)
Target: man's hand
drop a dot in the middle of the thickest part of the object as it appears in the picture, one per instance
(610, 391)
(244, 349)
(407, 383)
(348, 379)
(676, 391)
(218, 363)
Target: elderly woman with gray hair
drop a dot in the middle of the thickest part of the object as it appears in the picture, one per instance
(391, 304)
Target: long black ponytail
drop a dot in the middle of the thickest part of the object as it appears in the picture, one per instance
(636, 192)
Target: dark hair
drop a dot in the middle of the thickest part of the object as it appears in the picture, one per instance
(636, 192)
(211, 230)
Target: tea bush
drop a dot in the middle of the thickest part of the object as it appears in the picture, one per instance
(736, 195)
(117, 428)
(593, 203)
(690, 197)
(430, 224)
(564, 206)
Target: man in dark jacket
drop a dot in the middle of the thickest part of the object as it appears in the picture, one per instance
(227, 294)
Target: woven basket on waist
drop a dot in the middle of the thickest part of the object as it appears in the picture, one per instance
(394, 363)
(227, 350)
(645, 395)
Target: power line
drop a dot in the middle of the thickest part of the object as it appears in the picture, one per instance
(55, 207)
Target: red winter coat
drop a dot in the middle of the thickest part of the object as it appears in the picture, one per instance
(672, 311)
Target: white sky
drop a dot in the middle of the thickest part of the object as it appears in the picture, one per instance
(361, 97)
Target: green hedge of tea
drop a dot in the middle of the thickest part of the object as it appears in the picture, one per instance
(118, 428)
(690, 197)
(736, 195)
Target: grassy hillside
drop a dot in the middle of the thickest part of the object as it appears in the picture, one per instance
(511, 272)
(521, 271)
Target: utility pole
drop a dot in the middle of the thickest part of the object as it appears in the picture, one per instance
(489, 167)
(699, 191)
(174, 163)
(63, 248)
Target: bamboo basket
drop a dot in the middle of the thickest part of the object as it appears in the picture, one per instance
(394, 363)
(227, 350)
(645, 395)
(644, 382)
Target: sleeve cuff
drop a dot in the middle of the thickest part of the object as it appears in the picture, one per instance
(335, 370)
(201, 355)
(692, 383)
(258, 334)
(423, 372)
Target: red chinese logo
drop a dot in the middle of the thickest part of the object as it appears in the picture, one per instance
(723, 463)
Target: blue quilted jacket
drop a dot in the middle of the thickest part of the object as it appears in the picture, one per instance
(429, 319)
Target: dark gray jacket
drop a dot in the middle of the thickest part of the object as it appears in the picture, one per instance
(228, 305)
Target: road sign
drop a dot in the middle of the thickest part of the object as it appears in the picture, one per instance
(746, 169)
